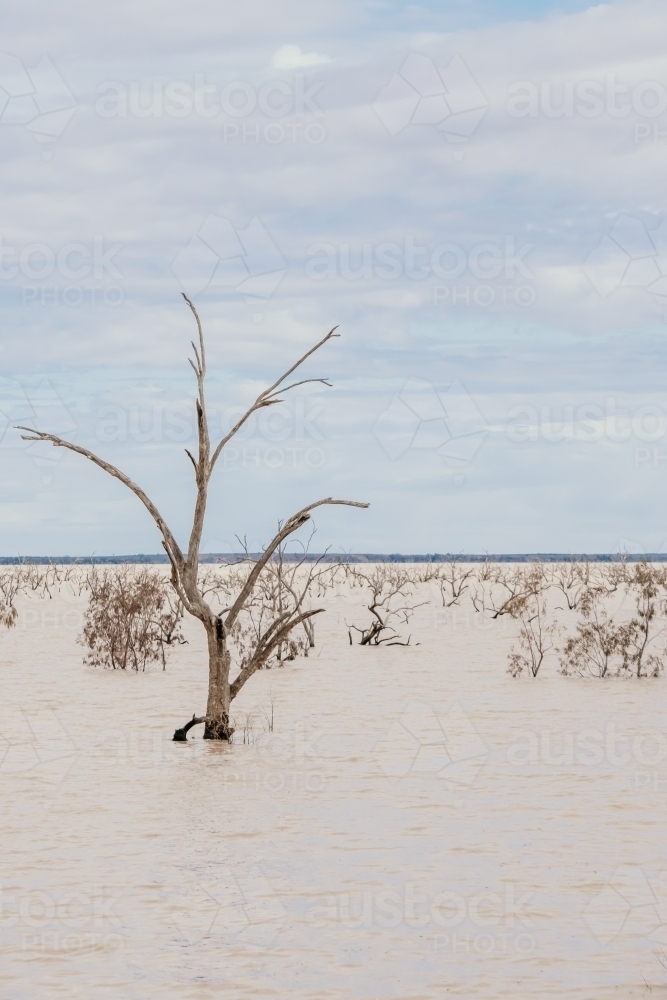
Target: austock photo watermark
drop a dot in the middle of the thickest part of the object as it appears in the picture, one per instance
(36, 98)
(486, 274)
(443, 97)
(630, 258)
(70, 274)
(422, 419)
(263, 757)
(61, 920)
(641, 757)
(25, 752)
(35, 403)
(643, 426)
(36, 744)
(51, 620)
(487, 923)
(277, 762)
(237, 905)
(287, 435)
(591, 100)
(424, 744)
(222, 258)
(462, 620)
(274, 112)
(240, 906)
(632, 903)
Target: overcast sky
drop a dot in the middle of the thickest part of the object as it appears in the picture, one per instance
(473, 191)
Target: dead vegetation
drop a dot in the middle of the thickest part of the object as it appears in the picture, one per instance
(592, 619)
(131, 617)
(390, 592)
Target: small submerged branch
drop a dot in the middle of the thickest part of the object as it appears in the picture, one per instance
(180, 735)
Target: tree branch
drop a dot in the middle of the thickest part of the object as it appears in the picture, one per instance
(264, 398)
(294, 522)
(266, 648)
(202, 467)
(304, 381)
(171, 545)
(180, 735)
(201, 335)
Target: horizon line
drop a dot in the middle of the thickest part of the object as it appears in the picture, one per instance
(369, 557)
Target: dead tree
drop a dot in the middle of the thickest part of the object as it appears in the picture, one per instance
(648, 584)
(453, 581)
(573, 579)
(535, 635)
(222, 689)
(507, 588)
(12, 583)
(391, 600)
(603, 647)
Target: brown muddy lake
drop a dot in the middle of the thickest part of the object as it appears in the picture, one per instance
(417, 825)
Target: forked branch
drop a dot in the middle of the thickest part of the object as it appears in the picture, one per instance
(293, 524)
(270, 396)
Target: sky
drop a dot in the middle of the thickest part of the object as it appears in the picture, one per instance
(472, 192)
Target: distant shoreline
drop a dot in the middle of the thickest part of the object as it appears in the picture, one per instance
(352, 557)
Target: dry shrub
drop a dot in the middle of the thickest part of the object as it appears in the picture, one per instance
(131, 617)
(391, 600)
(535, 636)
(602, 648)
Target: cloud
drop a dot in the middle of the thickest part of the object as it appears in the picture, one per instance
(487, 268)
(291, 57)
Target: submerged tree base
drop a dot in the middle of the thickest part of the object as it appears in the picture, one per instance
(218, 729)
(215, 729)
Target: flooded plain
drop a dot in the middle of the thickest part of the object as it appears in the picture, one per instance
(417, 824)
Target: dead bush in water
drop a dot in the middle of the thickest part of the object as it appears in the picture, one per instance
(130, 619)
(12, 582)
(453, 580)
(535, 636)
(391, 601)
(603, 648)
(503, 590)
(600, 647)
(573, 579)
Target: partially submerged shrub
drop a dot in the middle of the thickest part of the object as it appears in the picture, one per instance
(130, 619)
(8, 615)
(391, 591)
(503, 590)
(535, 635)
(602, 647)
(12, 582)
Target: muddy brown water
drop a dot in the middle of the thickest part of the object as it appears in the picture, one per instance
(417, 825)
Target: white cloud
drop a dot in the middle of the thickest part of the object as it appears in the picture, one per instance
(291, 57)
(313, 163)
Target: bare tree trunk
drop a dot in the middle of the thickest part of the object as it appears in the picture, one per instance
(309, 629)
(219, 696)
